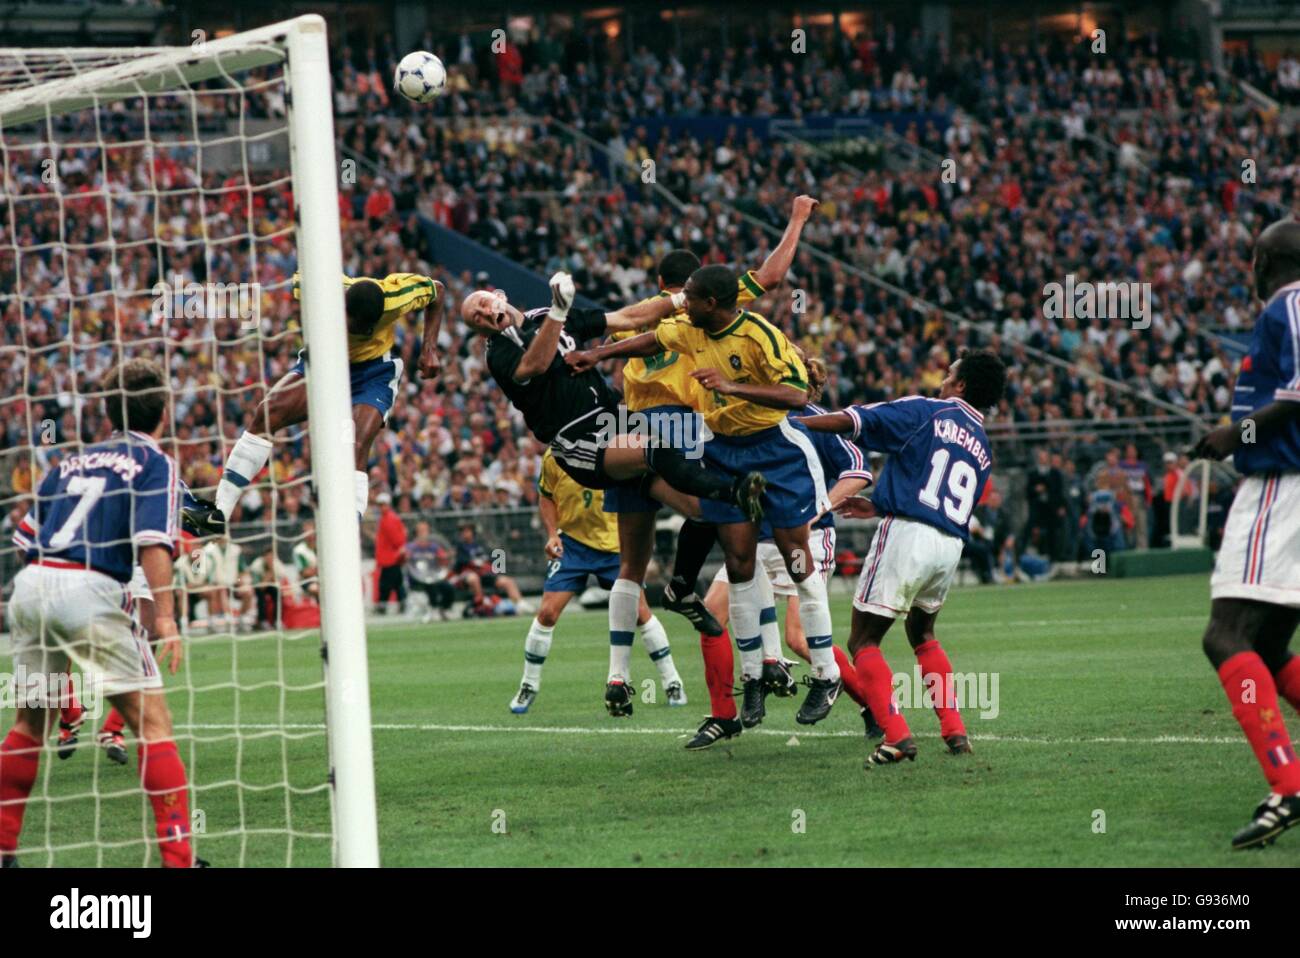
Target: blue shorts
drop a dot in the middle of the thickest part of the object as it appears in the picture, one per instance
(785, 455)
(628, 497)
(569, 572)
(374, 381)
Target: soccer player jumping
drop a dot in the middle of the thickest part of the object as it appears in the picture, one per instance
(373, 307)
(1255, 589)
(751, 377)
(939, 462)
(577, 415)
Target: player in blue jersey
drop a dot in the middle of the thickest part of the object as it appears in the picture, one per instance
(97, 513)
(844, 462)
(939, 462)
(1255, 589)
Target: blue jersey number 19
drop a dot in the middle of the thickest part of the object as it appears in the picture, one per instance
(962, 483)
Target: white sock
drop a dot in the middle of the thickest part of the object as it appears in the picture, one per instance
(536, 647)
(242, 466)
(815, 613)
(362, 484)
(655, 638)
(745, 608)
(768, 628)
(624, 603)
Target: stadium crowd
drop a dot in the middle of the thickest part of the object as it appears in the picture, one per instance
(1033, 197)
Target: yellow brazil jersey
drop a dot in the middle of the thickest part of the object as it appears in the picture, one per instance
(749, 350)
(403, 293)
(580, 510)
(664, 379)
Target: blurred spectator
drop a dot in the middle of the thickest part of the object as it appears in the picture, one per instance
(390, 555)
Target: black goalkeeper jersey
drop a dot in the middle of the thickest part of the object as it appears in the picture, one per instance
(553, 399)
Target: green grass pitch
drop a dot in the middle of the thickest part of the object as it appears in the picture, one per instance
(1108, 715)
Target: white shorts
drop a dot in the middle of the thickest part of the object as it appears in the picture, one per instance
(909, 564)
(821, 546)
(77, 620)
(1260, 555)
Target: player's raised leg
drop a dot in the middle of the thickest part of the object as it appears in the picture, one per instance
(285, 405)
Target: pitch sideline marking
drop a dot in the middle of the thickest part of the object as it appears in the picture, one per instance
(626, 730)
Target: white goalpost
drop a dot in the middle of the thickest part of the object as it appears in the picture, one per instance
(118, 167)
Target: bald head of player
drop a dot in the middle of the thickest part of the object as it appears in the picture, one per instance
(711, 294)
(1277, 257)
(487, 311)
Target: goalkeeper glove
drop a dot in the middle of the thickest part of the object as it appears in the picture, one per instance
(562, 293)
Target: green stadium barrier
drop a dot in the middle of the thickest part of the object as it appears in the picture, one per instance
(1138, 563)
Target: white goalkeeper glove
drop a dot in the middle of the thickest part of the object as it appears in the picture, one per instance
(679, 301)
(562, 293)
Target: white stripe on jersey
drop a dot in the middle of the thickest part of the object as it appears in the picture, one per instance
(804, 444)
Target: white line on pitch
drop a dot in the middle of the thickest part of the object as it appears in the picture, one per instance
(798, 733)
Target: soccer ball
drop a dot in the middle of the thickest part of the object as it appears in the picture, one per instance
(420, 77)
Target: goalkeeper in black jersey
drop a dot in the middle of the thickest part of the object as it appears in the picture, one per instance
(578, 415)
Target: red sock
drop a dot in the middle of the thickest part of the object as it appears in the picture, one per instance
(70, 710)
(163, 776)
(114, 723)
(852, 684)
(1253, 695)
(719, 674)
(934, 662)
(20, 757)
(878, 683)
(1287, 679)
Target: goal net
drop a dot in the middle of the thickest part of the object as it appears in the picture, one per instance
(158, 203)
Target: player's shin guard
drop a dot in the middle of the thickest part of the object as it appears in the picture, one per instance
(815, 613)
(936, 674)
(849, 676)
(745, 611)
(163, 776)
(688, 475)
(361, 489)
(1287, 679)
(719, 674)
(624, 601)
(20, 758)
(655, 639)
(245, 462)
(768, 629)
(536, 647)
(1253, 695)
(694, 543)
(878, 683)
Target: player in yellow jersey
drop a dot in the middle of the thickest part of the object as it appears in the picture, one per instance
(373, 307)
(751, 377)
(582, 541)
(662, 398)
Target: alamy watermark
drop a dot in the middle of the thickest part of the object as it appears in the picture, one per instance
(970, 690)
(675, 429)
(181, 300)
(1083, 299)
(23, 689)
